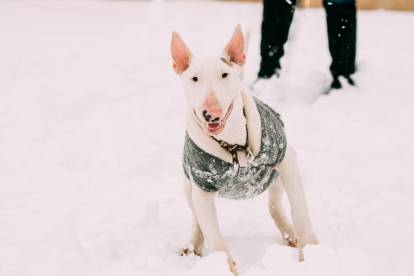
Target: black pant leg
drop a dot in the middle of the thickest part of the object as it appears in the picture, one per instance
(277, 17)
(341, 21)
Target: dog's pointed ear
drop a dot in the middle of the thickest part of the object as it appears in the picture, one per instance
(180, 53)
(234, 49)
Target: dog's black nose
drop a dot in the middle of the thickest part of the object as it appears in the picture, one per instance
(206, 116)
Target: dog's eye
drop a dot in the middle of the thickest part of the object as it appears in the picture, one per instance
(224, 75)
(195, 79)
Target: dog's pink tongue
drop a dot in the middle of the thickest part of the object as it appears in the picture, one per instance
(213, 125)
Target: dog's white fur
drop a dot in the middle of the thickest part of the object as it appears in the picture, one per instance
(228, 91)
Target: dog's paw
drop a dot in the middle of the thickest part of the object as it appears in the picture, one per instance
(189, 250)
(300, 242)
(304, 240)
(232, 266)
(289, 239)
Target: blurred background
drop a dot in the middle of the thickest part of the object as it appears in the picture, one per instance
(92, 128)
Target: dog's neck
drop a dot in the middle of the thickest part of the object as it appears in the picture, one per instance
(235, 131)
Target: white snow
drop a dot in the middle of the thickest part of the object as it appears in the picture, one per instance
(91, 133)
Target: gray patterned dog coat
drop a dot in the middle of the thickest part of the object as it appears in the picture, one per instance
(213, 174)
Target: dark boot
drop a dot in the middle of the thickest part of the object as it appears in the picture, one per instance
(277, 17)
(336, 84)
(341, 21)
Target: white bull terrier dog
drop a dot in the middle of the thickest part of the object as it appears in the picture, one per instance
(235, 147)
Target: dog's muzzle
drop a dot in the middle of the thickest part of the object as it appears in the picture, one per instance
(213, 126)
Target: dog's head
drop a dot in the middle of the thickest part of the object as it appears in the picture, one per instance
(211, 84)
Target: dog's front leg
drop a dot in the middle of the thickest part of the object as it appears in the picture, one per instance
(291, 179)
(205, 211)
(195, 245)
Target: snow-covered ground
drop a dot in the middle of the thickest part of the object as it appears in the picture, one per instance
(91, 133)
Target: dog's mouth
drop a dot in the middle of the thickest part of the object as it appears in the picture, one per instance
(214, 128)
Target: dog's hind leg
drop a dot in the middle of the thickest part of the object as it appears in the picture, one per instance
(195, 245)
(277, 212)
(292, 182)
